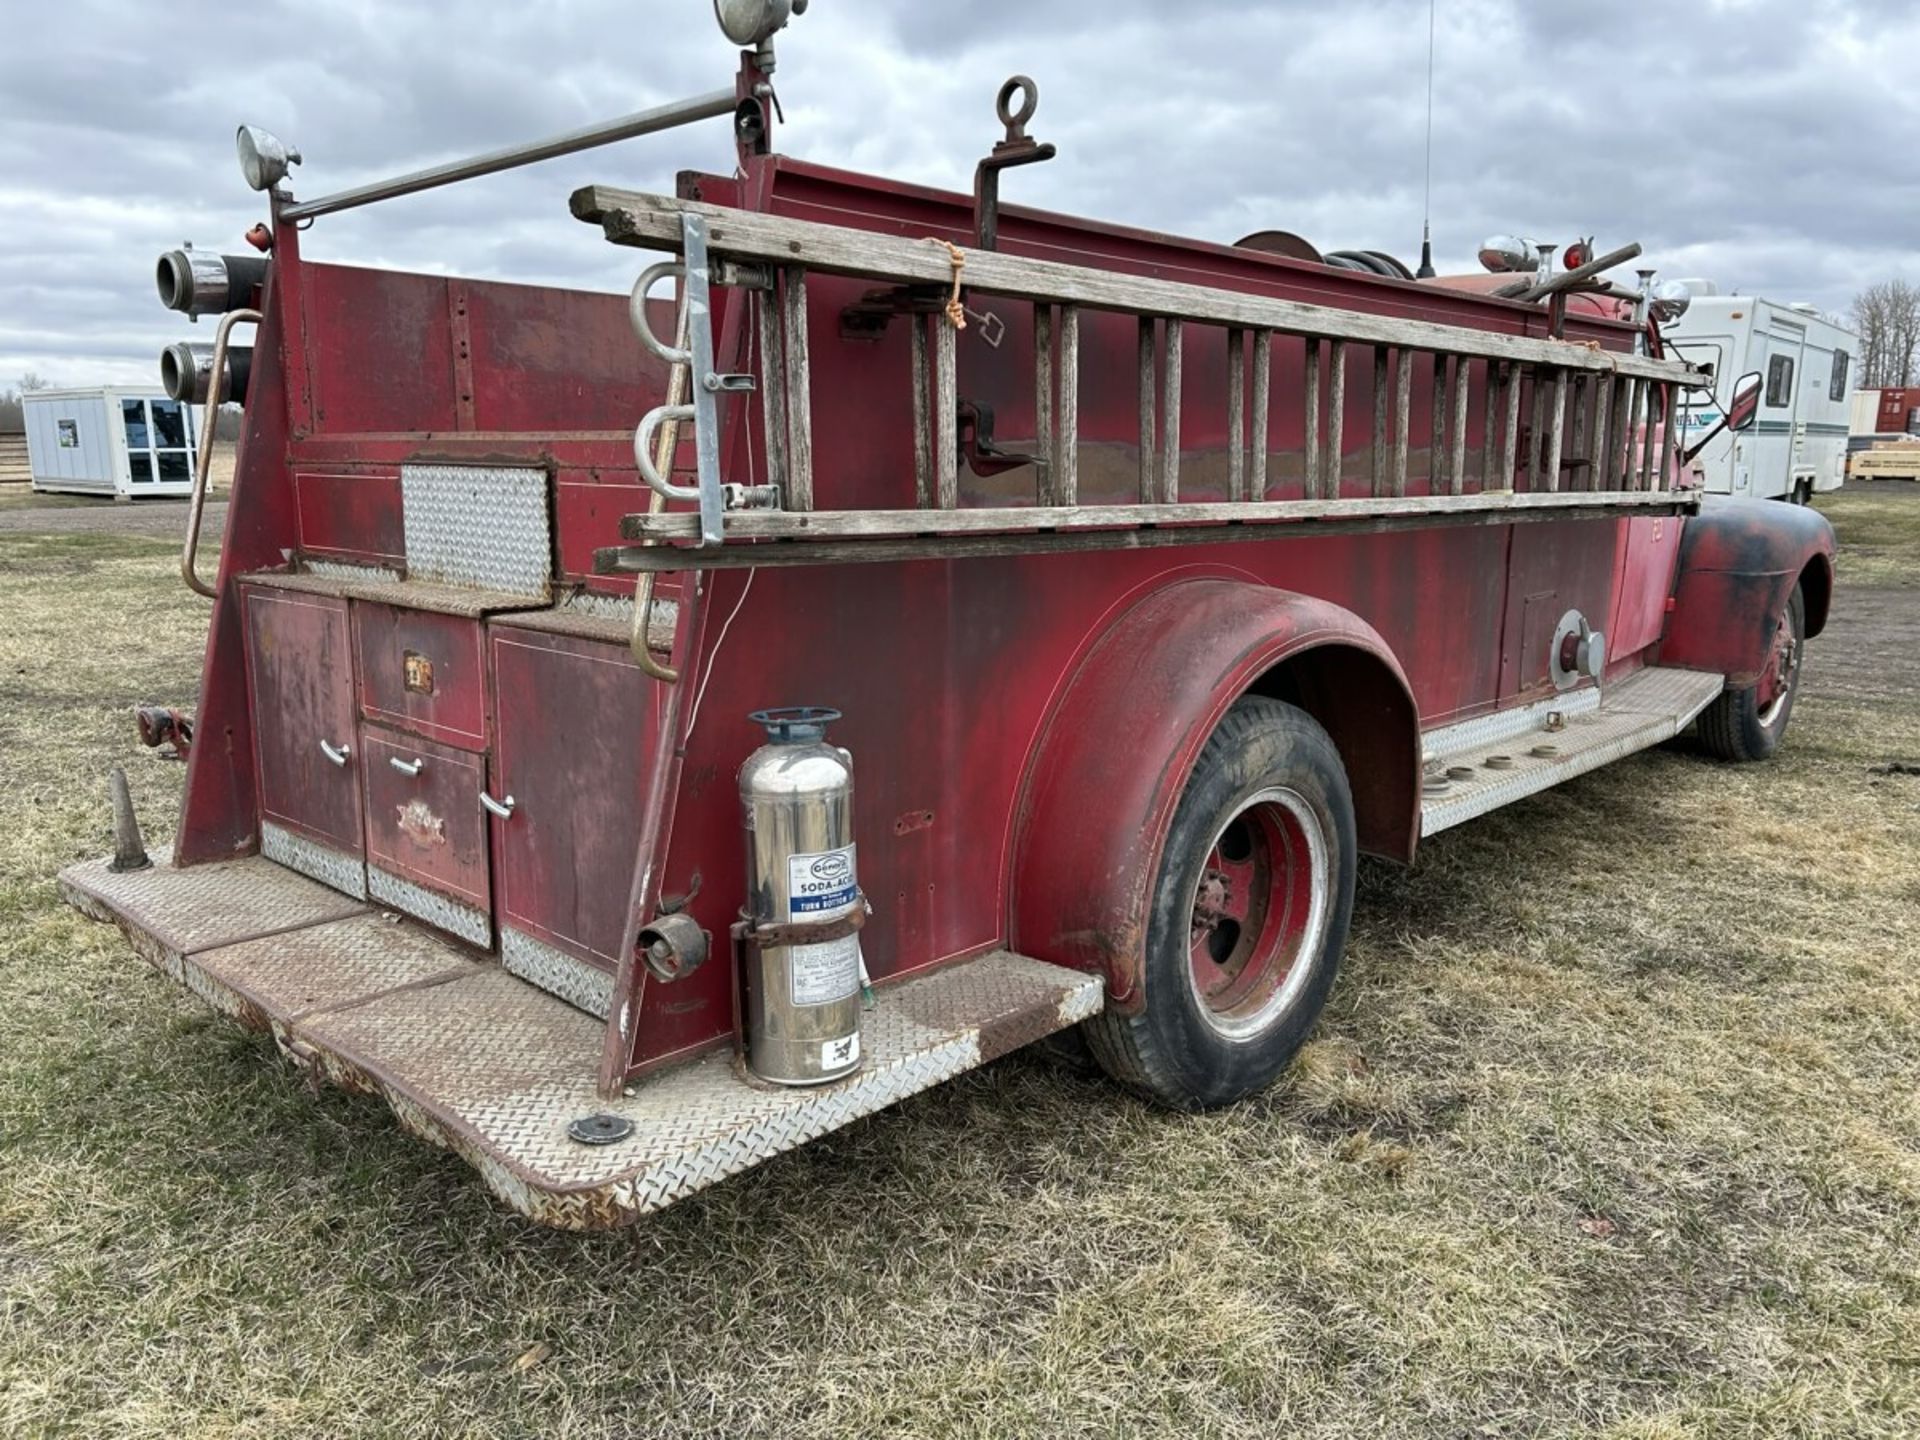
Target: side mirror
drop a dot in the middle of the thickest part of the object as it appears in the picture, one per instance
(1745, 407)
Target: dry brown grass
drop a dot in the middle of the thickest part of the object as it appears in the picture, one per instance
(1613, 1129)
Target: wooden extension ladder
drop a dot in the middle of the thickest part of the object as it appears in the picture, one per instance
(1597, 441)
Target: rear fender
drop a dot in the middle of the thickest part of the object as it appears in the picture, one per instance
(1116, 752)
(1739, 561)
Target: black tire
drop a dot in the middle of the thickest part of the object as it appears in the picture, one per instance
(1272, 771)
(1737, 726)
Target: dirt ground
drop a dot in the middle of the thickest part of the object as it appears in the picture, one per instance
(1612, 1129)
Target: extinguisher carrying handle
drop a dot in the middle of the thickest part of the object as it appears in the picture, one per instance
(806, 932)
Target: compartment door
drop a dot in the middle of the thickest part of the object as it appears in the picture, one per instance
(574, 719)
(426, 832)
(309, 766)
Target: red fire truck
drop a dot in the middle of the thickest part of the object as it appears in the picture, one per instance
(1150, 582)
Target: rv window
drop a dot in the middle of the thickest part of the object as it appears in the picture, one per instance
(134, 412)
(170, 430)
(1780, 380)
(1837, 389)
(1702, 352)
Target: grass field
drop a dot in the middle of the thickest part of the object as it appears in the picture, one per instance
(1612, 1129)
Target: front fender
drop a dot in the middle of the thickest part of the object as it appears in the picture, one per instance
(1739, 561)
(1100, 791)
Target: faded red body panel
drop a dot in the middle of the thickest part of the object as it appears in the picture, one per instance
(422, 672)
(427, 826)
(1739, 561)
(300, 656)
(569, 707)
(1114, 757)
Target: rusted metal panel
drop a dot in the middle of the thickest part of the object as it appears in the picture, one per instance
(1739, 561)
(380, 348)
(350, 515)
(424, 821)
(300, 663)
(1088, 830)
(577, 723)
(422, 672)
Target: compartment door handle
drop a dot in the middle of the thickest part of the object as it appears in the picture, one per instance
(502, 808)
(339, 756)
(406, 767)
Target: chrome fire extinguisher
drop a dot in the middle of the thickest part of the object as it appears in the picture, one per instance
(800, 936)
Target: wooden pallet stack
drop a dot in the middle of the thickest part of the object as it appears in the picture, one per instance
(1894, 458)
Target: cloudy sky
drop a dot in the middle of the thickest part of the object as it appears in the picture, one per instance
(1773, 145)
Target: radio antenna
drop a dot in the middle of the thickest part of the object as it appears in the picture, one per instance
(1425, 272)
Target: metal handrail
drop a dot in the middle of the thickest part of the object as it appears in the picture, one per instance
(203, 459)
(667, 442)
(643, 122)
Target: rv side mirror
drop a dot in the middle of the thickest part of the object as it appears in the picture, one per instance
(1745, 407)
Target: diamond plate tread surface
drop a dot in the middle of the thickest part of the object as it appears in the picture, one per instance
(1643, 709)
(408, 594)
(478, 525)
(280, 978)
(455, 917)
(494, 1069)
(182, 912)
(582, 985)
(345, 873)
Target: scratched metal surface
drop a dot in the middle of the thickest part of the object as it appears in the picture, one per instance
(496, 1069)
(283, 977)
(1645, 708)
(223, 903)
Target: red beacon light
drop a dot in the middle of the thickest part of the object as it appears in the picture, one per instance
(1577, 254)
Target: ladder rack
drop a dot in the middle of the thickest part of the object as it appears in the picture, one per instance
(1590, 428)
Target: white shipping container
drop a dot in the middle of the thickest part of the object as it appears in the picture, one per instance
(110, 440)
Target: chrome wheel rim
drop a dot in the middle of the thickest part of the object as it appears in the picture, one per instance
(1259, 913)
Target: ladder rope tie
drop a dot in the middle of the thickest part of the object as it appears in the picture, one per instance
(957, 258)
(1613, 361)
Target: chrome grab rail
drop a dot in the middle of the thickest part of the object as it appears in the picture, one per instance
(203, 459)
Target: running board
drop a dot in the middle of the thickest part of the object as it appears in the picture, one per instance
(474, 1059)
(1480, 765)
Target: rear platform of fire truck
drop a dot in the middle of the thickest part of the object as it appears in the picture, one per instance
(641, 733)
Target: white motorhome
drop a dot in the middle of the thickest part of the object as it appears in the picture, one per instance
(1805, 363)
(110, 440)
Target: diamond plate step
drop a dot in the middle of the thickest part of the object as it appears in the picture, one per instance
(170, 914)
(494, 1069)
(1595, 728)
(478, 1060)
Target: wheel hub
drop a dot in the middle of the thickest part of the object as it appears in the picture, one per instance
(1259, 912)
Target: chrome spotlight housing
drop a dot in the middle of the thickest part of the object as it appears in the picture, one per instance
(753, 22)
(263, 158)
(1508, 254)
(1670, 300)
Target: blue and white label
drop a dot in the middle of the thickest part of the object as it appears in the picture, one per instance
(821, 886)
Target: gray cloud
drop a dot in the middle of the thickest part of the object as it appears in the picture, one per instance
(1765, 143)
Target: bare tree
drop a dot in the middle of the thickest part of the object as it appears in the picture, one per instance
(1887, 315)
(31, 381)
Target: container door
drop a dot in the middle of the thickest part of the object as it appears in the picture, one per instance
(308, 763)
